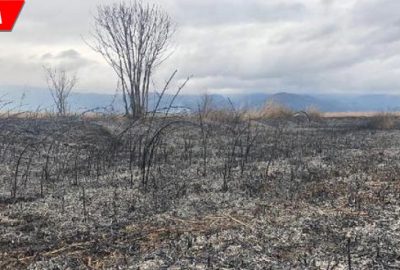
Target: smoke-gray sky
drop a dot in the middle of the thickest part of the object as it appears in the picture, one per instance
(230, 46)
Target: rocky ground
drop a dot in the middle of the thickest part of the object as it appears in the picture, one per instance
(321, 195)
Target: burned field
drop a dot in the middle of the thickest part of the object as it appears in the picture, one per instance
(204, 192)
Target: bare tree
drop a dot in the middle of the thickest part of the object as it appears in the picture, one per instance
(132, 37)
(60, 84)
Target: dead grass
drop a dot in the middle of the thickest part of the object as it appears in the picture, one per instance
(382, 121)
(272, 110)
(353, 114)
(222, 116)
(149, 237)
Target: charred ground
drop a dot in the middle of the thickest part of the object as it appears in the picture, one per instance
(211, 191)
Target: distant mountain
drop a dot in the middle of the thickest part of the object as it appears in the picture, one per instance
(364, 103)
(246, 101)
(326, 103)
(302, 102)
(30, 99)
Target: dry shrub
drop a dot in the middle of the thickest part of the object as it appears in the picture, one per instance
(382, 120)
(314, 114)
(274, 110)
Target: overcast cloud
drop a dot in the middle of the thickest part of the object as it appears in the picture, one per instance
(230, 46)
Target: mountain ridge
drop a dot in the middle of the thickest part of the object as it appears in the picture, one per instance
(34, 98)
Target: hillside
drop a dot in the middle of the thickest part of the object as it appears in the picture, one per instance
(31, 99)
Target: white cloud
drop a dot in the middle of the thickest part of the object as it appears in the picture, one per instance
(228, 45)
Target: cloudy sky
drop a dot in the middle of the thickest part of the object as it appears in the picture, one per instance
(230, 46)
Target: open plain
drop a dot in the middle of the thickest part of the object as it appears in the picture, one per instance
(208, 191)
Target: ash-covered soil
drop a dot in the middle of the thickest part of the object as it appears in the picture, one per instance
(198, 194)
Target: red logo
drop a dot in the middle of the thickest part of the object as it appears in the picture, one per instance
(9, 11)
